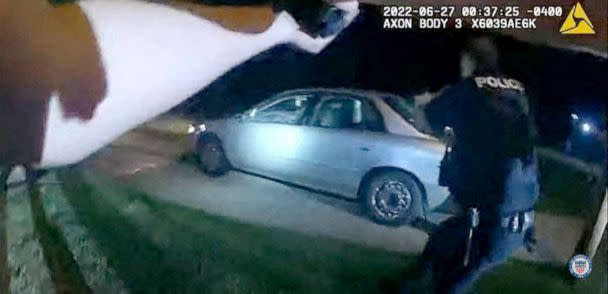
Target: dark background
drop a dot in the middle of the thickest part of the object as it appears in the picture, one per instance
(366, 56)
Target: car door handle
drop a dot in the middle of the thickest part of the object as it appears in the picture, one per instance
(364, 149)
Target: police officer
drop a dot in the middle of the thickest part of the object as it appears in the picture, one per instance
(490, 170)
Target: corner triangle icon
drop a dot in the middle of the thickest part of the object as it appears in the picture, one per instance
(577, 22)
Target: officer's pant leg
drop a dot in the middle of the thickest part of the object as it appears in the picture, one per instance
(464, 281)
(444, 251)
(499, 246)
(445, 240)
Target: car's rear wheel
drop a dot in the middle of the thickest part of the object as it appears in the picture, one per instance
(212, 158)
(392, 198)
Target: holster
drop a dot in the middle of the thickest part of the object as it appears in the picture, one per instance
(472, 222)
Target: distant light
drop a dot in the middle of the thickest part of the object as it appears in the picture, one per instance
(191, 129)
(586, 127)
(574, 116)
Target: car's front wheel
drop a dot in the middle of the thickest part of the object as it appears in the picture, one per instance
(392, 198)
(212, 158)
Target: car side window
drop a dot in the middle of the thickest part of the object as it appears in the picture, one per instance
(337, 112)
(346, 113)
(284, 111)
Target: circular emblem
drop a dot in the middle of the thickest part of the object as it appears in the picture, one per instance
(580, 266)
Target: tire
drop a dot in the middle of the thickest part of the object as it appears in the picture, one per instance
(212, 158)
(392, 198)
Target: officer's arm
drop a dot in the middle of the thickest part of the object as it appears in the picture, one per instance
(439, 111)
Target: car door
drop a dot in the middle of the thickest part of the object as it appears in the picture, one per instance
(338, 143)
(267, 138)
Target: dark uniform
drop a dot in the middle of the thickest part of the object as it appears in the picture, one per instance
(491, 168)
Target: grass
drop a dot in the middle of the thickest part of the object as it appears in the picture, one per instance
(163, 248)
(183, 250)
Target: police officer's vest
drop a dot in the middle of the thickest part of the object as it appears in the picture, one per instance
(492, 125)
(506, 97)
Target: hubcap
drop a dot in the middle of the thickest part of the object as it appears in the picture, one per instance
(391, 200)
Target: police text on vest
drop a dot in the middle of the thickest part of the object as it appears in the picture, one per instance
(495, 82)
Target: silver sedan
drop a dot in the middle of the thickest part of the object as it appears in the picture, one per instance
(358, 144)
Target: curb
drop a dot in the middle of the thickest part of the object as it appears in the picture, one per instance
(99, 276)
(28, 269)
